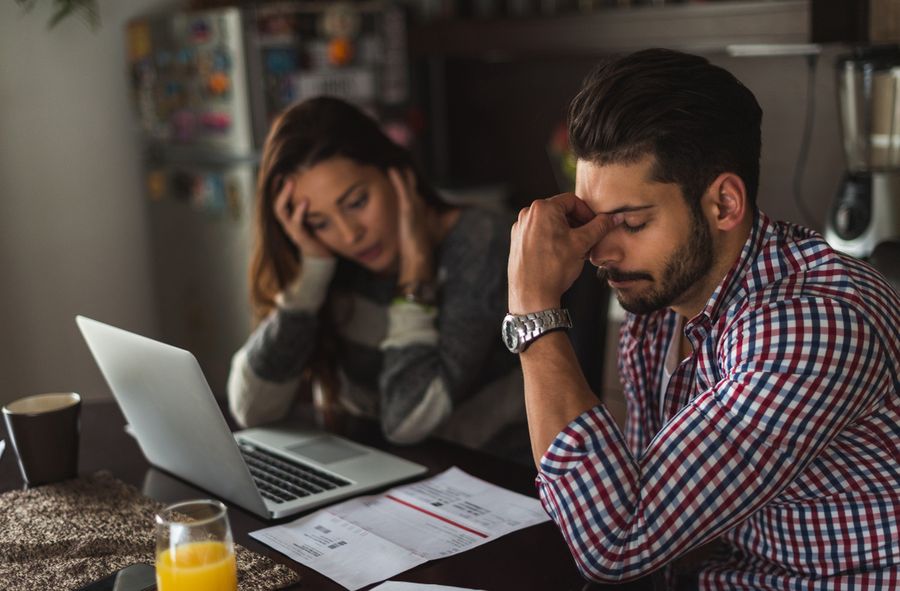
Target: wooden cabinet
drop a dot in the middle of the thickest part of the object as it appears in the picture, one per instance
(495, 89)
(856, 21)
(698, 27)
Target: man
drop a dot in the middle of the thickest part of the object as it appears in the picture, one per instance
(760, 367)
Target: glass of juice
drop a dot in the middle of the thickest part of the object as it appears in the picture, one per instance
(194, 548)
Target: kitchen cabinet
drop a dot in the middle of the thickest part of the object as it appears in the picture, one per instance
(698, 28)
(513, 77)
(497, 89)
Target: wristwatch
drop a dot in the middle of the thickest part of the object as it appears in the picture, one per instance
(520, 330)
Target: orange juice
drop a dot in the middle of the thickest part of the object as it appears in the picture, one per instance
(197, 566)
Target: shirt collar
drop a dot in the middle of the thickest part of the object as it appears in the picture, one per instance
(733, 286)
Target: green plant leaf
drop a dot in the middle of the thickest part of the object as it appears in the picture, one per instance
(87, 10)
(63, 10)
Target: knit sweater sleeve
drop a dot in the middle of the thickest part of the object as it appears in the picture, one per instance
(265, 372)
(433, 358)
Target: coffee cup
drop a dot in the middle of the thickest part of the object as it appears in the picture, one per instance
(43, 430)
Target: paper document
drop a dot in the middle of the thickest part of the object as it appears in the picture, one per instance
(369, 539)
(403, 586)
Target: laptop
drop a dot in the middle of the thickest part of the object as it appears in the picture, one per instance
(272, 471)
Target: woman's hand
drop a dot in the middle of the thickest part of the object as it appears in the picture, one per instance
(416, 242)
(291, 219)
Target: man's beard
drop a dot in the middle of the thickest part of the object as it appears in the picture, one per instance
(683, 269)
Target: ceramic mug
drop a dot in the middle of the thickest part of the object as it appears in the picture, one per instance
(43, 430)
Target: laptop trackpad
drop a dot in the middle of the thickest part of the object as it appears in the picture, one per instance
(325, 450)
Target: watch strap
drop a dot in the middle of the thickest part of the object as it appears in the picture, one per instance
(533, 325)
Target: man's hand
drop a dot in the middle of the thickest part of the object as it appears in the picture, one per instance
(549, 244)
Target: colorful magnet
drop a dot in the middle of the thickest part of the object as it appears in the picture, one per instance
(218, 83)
(172, 88)
(340, 51)
(199, 31)
(185, 56)
(221, 59)
(280, 61)
(139, 43)
(341, 19)
(156, 185)
(215, 194)
(233, 198)
(215, 121)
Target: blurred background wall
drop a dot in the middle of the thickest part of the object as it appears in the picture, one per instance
(76, 238)
(72, 224)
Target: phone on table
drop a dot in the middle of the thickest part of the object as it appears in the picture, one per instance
(134, 577)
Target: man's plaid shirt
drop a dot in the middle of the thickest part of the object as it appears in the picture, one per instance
(780, 433)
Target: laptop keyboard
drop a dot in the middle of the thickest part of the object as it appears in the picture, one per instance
(280, 479)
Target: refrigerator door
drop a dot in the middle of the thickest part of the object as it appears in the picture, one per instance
(201, 251)
(190, 91)
(206, 85)
(355, 51)
(189, 81)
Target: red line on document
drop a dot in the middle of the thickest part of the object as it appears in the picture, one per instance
(427, 512)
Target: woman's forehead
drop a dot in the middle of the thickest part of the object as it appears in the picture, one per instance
(329, 181)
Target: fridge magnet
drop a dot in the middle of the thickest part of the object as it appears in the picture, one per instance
(233, 199)
(156, 185)
(340, 23)
(218, 83)
(214, 204)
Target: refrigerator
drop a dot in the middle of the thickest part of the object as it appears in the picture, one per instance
(205, 86)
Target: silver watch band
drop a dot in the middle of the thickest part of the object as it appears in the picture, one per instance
(534, 324)
(520, 330)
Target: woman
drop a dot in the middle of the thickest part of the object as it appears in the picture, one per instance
(363, 280)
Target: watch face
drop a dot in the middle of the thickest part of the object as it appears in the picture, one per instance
(510, 334)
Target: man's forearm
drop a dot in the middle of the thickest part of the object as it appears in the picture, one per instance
(555, 389)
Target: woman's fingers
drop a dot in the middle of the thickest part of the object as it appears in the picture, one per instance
(292, 216)
(299, 214)
(401, 188)
(282, 206)
(410, 182)
(404, 183)
(289, 215)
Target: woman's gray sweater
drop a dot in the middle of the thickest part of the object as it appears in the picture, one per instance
(418, 370)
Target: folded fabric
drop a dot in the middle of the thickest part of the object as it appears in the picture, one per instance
(65, 535)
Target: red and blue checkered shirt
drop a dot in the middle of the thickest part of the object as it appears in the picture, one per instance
(780, 433)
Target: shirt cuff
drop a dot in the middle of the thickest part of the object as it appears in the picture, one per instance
(591, 430)
(309, 290)
(410, 324)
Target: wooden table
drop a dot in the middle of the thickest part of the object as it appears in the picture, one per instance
(535, 558)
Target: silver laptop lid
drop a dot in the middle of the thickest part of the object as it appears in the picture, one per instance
(165, 398)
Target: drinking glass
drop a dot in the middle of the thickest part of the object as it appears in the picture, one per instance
(194, 548)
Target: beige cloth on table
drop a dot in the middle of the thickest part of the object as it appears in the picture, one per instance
(65, 535)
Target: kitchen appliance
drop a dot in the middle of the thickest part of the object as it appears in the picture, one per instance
(866, 211)
(206, 86)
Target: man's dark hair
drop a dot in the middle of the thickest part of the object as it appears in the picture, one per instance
(695, 118)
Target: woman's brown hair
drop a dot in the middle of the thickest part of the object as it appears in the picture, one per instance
(307, 133)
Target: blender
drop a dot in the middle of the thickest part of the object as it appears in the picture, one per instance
(866, 212)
